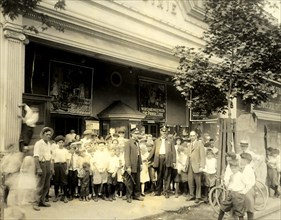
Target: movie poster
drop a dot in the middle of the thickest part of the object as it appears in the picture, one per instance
(70, 88)
(152, 99)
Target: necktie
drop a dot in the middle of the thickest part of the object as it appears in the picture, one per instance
(71, 162)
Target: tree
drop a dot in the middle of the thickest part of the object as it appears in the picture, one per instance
(15, 8)
(243, 49)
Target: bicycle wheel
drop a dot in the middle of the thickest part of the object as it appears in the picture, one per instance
(261, 195)
(216, 196)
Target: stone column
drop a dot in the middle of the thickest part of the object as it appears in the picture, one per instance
(12, 53)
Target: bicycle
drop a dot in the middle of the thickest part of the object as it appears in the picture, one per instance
(218, 193)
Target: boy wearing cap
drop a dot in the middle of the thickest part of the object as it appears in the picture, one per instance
(99, 165)
(273, 167)
(235, 198)
(60, 159)
(73, 169)
(249, 180)
(43, 167)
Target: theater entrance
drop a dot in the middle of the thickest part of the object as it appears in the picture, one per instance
(63, 124)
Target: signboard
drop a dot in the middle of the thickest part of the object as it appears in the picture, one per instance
(152, 99)
(202, 116)
(273, 105)
(71, 88)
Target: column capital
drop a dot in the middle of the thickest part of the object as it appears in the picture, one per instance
(14, 30)
(14, 35)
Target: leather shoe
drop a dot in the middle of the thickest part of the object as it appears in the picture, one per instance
(138, 198)
(36, 208)
(43, 204)
(129, 200)
(167, 196)
(197, 201)
(157, 194)
(190, 198)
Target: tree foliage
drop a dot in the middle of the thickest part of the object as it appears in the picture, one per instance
(14, 8)
(246, 44)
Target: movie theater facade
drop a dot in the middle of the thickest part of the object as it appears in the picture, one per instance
(110, 67)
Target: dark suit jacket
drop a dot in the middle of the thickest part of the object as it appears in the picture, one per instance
(131, 153)
(170, 153)
(196, 156)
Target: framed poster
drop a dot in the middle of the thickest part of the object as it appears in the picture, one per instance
(70, 86)
(152, 99)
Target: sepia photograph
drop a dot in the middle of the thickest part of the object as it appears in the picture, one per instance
(140, 109)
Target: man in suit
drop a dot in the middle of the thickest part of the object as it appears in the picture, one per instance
(195, 165)
(163, 156)
(132, 156)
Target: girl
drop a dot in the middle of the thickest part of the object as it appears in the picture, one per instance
(144, 176)
(210, 171)
(84, 176)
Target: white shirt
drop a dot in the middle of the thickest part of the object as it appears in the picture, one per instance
(100, 160)
(211, 165)
(73, 161)
(236, 183)
(60, 155)
(113, 164)
(248, 178)
(70, 137)
(42, 150)
(30, 117)
(162, 146)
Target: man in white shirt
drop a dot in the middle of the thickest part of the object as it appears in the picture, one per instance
(42, 157)
(163, 156)
(28, 124)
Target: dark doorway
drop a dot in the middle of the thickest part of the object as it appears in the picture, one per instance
(63, 124)
(152, 129)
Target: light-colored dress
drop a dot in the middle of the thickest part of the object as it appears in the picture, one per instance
(144, 176)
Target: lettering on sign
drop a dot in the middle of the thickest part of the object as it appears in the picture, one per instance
(273, 104)
(152, 99)
(168, 6)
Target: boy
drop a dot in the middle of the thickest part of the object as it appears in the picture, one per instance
(249, 179)
(210, 171)
(272, 171)
(60, 159)
(235, 198)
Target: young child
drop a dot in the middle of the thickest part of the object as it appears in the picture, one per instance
(27, 181)
(210, 171)
(113, 166)
(60, 158)
(151, 170)
(99, 166)
(235, 198)
(84, 175)
(272, 171)
(120, 171)
(249, 180)
(144, 176)
(181, 177)
(73, 170)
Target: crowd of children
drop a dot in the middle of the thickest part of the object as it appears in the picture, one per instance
(92, 168)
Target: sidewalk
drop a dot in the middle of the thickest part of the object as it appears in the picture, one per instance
(120, 209)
